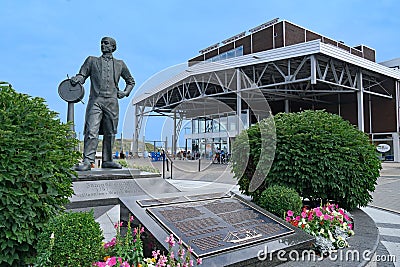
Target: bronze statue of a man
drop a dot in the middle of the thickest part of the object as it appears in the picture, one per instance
(102, 111)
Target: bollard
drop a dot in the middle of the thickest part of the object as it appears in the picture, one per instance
(163, 167)
(171, 169)
(199, 164)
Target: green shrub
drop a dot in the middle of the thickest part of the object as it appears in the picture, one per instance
(35, 172)
(321, 156)
(77, 240)
(252, 155)
(279, 199)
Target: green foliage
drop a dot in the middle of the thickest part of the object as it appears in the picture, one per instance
(123, 163)
(252, 156)
(279, 199)
(146, 168)
(35, 171)
(321, 156)
(150, 147)
(77, 240)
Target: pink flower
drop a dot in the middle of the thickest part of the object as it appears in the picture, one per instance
(318, 213)
(303, 214)
(297, 218)
(350, 226)
(155, 253)
(326, 217)
(142, 229)
(135, 231)
(199, 261)
(190, 250)
(111, 261)
(118, 224)
(182, 254)
(131, 218)
(170, 240)
(191, 264)
(310, 216)
(290, 213)
(288, 219)
(111, 243)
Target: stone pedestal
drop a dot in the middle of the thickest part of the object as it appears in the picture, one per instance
(100, 189)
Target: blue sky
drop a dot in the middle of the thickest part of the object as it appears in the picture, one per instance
(44, 40)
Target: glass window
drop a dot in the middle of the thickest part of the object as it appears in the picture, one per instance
(231, 54)
(202, 125)
(216, 126)
(232, 123)
(239, 51)
(222, 56)
(244, 120)
(209, 125)
(195, 126)
(223, 121)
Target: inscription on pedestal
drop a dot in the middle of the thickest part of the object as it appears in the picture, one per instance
(105, 189)
(218, 225)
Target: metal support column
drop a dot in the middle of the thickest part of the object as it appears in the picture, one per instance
(396, 145)
(238, 100)
(174, 136)
(136, 133)
(287, 108)
(396, 141)
(313, 69)
(360, 101)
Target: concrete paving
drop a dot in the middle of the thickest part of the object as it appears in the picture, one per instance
(387, 192)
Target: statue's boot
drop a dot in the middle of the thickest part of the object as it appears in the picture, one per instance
(107, 162)
(84, 166)
(111, 165)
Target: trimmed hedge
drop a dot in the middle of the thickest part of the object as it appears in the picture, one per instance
(279, 199)
(70, 239)
(35, 172)
(320, 155)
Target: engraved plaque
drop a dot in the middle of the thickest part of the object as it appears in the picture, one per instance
(212, 226)
(181, 199)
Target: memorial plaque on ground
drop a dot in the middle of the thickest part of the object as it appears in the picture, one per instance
(223, 228)
(217, 225)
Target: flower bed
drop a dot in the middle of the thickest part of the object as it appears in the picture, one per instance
(127, 251)
(330, 225)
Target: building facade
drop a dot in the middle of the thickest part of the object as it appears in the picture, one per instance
(276, 67)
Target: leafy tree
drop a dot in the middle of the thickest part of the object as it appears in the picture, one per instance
(35, 171)
(321, 156)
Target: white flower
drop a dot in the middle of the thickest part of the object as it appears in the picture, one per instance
(331, 236)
